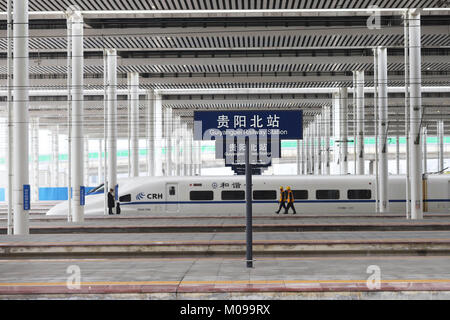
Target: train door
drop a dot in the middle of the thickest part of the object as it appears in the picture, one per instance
(172, 192)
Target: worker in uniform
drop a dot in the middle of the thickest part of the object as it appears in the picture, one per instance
(111, 201)
(282, 200)
(290, 200)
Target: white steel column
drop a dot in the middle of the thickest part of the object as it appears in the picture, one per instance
(35, 160)
(376, 125)
(359, 122)
(86, 162)
(336, 127)
(100, 162)
(189, 151)
(150, 133)
(299, 157)
(178, 146)
(382, 131)
(327, 123)
(76, 21)
(424, 149)
(168, 125)
(20, 115)
(55, 157)
(440, 140)
(157, 135)
(397, 150)
(311, 148)
(304, 152)
(319, 143)
(185, 159)
(111, 121)
(343, 123)
(9, 161)
(133, 85)
(415, 79)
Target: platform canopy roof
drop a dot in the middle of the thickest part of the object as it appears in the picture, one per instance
(229, 54)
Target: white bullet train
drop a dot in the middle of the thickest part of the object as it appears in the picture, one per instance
(226, 194)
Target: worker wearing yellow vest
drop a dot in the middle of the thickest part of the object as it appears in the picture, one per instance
(282, 200)
(290, 200)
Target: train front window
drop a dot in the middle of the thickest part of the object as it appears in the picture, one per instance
(96, 189)
(359, 194)
(125, 198)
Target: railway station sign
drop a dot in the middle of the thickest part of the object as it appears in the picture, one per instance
(26, 197)
(264, 130)
(284, 124)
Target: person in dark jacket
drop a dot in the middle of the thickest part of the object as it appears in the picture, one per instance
(290, 200)
(282, 200)
(111, 201)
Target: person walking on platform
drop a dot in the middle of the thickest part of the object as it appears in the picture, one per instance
(290, 200)
(282, 200)
(111, 201)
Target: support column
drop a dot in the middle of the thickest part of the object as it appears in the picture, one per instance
(359, 122)
(76, 21)
(20, 116)
(299, 157)
(133, 85)
(86, 162)
(382, 131)
(100, 162)
(304, 152)
(319, 143)
(168, 140)
(397, 150)
(185, 160)
(55, 158)
(440, 139)
(157, 134)
(343, 122)
(35, 160)
(415, 80)
(310, 149)
(178, 146)
(151, 143)
(190, 158)
(111, 122)
(424, 149)
(327, 123)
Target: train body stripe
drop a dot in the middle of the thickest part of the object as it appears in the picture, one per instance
(270, 201)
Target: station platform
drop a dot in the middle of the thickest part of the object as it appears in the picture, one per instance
(227, 278)
(303, 256)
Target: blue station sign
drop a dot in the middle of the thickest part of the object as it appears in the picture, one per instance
(285, 124)
(26, 197)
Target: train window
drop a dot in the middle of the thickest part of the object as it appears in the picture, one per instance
(300, 194)
(172, 191)
(233, 195)
(264, 194)
(125, 198)
(327, 194)
(201, 195)
(359, 194)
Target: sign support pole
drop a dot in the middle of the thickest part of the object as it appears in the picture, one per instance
(248, 192)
